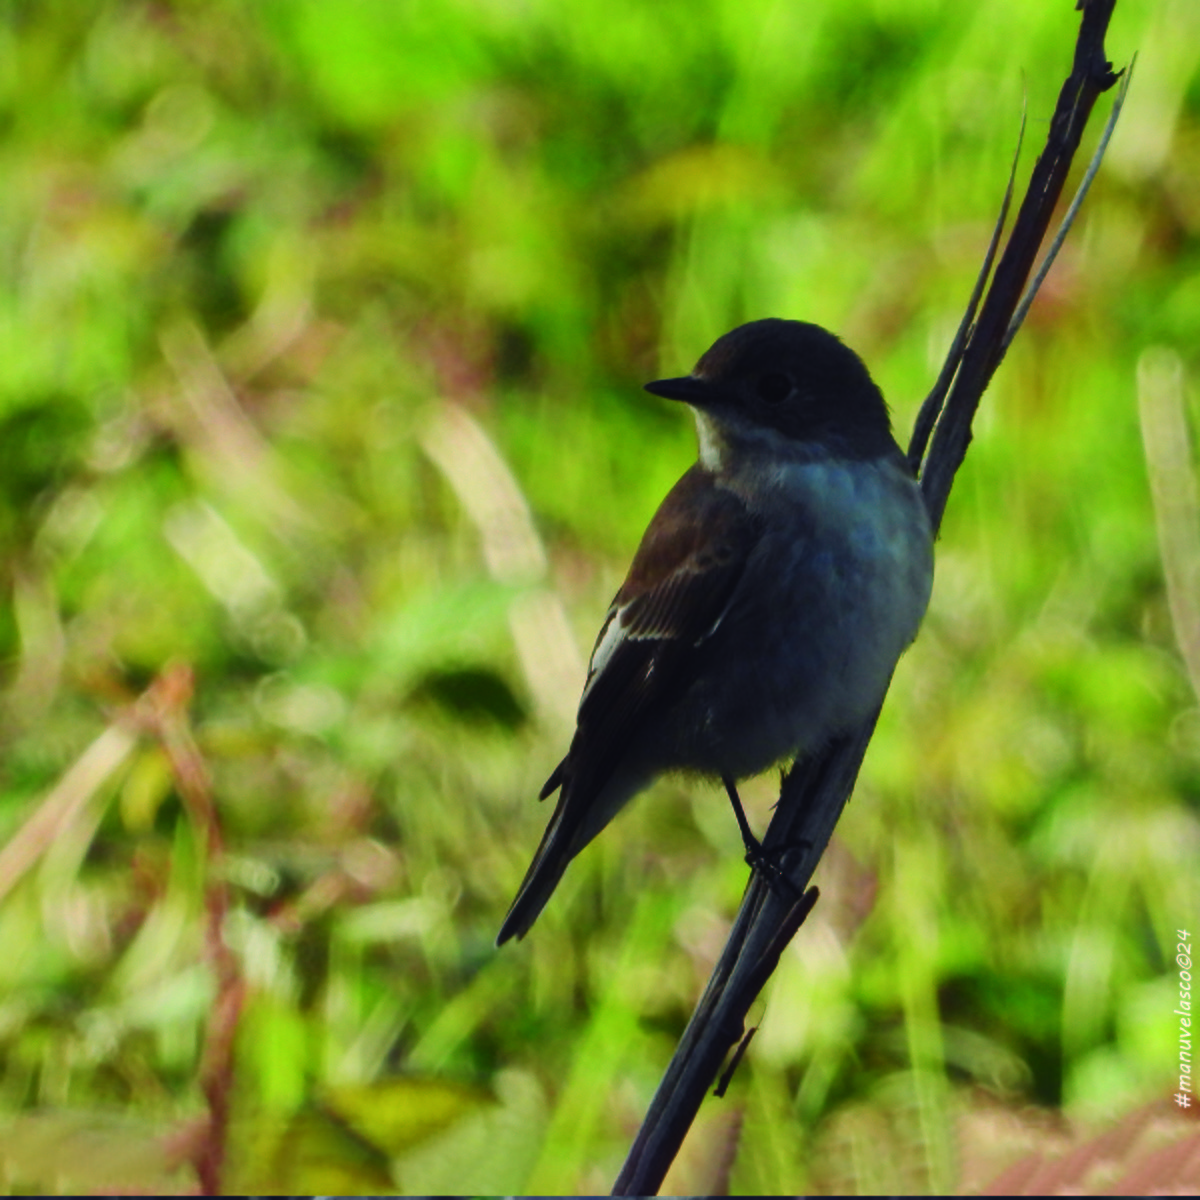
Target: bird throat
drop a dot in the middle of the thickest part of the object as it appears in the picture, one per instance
(713, 446)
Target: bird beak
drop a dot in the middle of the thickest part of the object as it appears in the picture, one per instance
(689, 389)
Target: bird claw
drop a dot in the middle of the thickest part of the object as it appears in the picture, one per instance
(776, 866)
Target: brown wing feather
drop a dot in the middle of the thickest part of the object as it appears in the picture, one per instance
(678, 588)
(679, 585)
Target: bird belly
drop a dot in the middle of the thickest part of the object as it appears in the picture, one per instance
(832, 596)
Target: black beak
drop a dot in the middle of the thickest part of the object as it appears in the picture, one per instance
(689, 389)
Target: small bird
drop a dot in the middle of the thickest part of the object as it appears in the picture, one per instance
(771, 595)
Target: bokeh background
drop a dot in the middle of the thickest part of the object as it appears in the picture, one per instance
(322, 331)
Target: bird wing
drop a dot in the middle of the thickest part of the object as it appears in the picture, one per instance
(678, 590)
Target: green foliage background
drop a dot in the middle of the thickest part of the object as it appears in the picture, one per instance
(301, 303)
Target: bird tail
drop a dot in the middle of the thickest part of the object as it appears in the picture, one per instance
(553, 855)
(582, 812)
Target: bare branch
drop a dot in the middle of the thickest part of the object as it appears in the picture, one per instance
(815, 791)
(165, 714)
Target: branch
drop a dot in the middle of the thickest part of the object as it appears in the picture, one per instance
(815, 791)
(164, 713)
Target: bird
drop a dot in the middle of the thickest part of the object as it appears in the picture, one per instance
(769, 600)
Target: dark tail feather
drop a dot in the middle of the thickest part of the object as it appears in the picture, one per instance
(549, 863)
(591, 796)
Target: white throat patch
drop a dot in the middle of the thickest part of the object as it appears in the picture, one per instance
(712, 445)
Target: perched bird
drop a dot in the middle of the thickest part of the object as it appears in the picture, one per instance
(769, 600)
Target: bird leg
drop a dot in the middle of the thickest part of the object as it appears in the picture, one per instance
(769, 864)
(754, 850)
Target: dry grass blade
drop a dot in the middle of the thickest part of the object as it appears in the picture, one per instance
(931, 407)
(1031, 291)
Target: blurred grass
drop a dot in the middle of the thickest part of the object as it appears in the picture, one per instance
(257, 259)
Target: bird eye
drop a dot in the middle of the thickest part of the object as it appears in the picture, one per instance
(774, 387)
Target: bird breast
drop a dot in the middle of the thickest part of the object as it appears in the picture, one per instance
(831, 596)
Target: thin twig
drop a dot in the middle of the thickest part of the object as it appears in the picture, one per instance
(1035, 284)
(1091, 75)
(166, 717)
